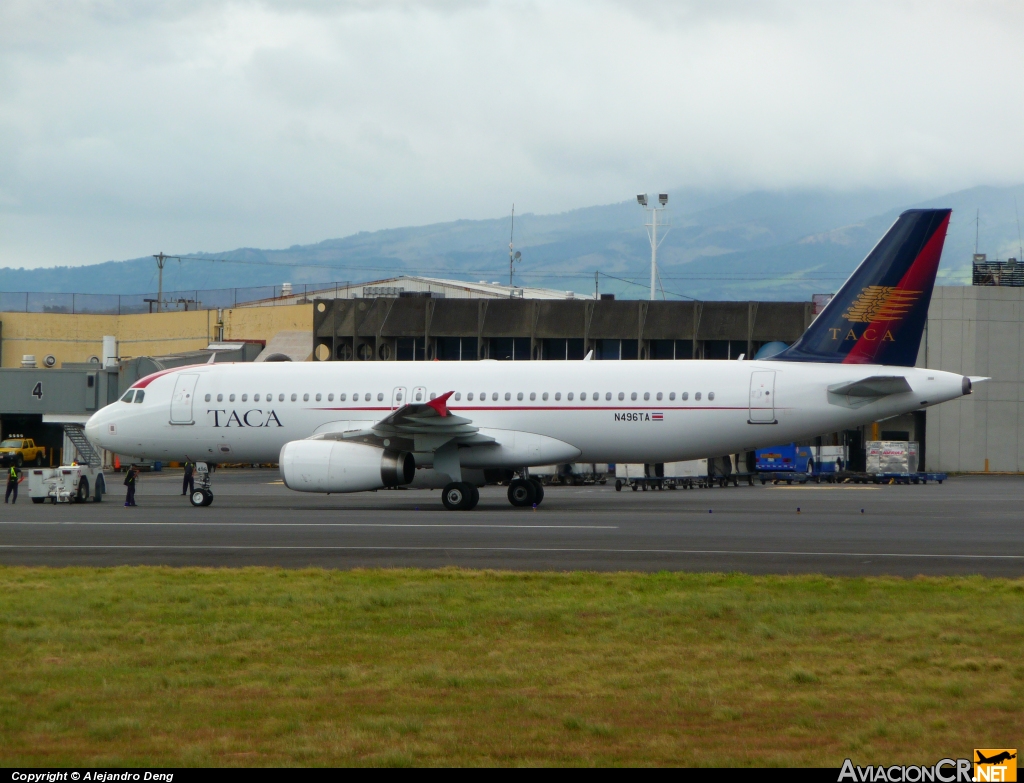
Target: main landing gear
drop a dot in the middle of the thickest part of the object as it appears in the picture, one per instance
(460, 496)
(525, 492)
(202, 495)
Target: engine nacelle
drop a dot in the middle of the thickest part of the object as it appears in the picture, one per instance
(336, 466)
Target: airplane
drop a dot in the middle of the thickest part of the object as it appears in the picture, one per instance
(337, 427)
(996, 759)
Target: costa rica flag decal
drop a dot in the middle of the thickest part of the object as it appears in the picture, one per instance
(657, 417)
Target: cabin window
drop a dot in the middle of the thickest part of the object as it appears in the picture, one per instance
(711, 395)
(305, 397)
(544, 396)
(608, 395)
(647, 395)
(632, 396)
(696, 396)
(558, 396)
(131, 393)
(318, 397)
(659, 396)
(330, 397)
(684, 396)
(494, 396)
(342, 397)
(458, 396)
(433, 395)
(597, 396)
(569, 396)
(231, 398)
(533, 396)
(519, 396)
(245, 398)
(280, 397)
(220, 398)
(255, 398)
(469, 397)
(140, 395)
(622, 396)
(380, 396)
(398, 396)
(583, 396)
(671, 395)
(294, 396)
(508, 396)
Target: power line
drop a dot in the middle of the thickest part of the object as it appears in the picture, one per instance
(727, 276)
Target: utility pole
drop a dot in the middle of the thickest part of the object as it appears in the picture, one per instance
(597, 293)
(652, 232)
(160, 285)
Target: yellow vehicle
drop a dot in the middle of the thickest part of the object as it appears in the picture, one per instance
(20, 451)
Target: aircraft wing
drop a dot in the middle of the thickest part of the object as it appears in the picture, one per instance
(420, 427)
(876, 386)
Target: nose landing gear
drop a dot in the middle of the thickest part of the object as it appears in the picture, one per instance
(202, 495)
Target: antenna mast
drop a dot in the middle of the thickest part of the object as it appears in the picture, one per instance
(1020, 245)
(977, 224)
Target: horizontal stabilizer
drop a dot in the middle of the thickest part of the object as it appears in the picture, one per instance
(876, 386)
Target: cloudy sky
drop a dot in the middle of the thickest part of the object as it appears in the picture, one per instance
(127, 128)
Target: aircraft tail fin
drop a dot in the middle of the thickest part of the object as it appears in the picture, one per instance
(878, 316)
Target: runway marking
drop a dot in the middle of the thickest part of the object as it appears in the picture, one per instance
(288, 525)
(870, 489)
(239, 547)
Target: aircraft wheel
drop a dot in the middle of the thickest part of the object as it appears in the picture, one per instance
(538, 491)
(474, 498)
(208, 497)
(457, 496)
(197, 498)
(521, 493)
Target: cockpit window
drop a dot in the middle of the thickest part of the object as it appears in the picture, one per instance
(128, 395)
(140, 395)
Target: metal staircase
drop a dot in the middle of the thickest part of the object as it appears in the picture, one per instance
(88, 455)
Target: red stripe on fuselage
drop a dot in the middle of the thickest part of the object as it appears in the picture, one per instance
(920, 276)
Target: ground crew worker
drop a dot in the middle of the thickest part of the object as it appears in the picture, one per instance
(130, 479)
(12, 484)
(188, 483)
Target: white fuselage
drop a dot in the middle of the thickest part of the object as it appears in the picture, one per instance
(607, 411)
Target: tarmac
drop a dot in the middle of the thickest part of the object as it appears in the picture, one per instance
(968, 525)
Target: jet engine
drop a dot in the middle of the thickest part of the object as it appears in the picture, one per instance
(336, 466)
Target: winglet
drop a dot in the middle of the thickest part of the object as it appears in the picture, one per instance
(440, 404)
(589, 356)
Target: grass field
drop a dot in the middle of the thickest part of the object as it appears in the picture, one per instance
(154, 666)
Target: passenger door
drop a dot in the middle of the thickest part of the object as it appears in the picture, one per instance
(419, 394)
(181, 399)
(762, 397)
(399, 397)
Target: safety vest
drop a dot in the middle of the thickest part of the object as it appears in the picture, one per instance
(13, 474)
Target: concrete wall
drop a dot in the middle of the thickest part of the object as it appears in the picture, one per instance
(76, 338)
(979, 331)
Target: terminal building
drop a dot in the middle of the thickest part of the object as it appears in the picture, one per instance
(55, 371)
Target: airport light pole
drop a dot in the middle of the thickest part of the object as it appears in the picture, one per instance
(652, 231)
(160, 258)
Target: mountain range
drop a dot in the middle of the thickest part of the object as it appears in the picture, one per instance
(717, 245)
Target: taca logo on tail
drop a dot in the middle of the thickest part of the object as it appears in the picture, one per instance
(878, 315)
